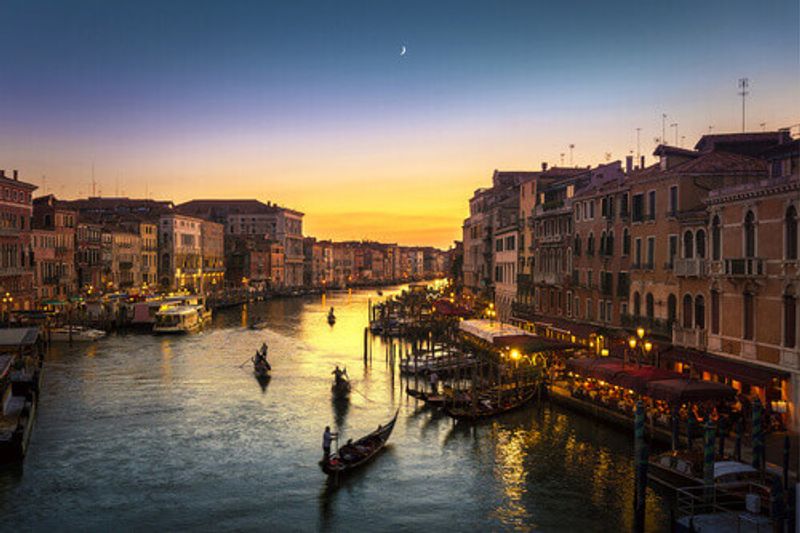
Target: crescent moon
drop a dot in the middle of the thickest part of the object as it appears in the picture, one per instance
(402, 51)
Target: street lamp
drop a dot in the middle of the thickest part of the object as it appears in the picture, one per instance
(645, 346)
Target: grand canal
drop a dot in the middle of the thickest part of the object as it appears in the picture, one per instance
(145, 432)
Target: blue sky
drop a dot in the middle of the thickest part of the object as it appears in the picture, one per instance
(284, 100)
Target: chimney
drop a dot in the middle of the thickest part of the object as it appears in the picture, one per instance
(641, 163)
(16, 175)
(544, 166)
(628, 163)
(2, 173)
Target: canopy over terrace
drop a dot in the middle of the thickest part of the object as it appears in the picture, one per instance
(445, 307)
(505, 336)
(689, 390)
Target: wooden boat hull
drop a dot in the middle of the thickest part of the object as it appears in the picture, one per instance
(337, 465)
(466, 413)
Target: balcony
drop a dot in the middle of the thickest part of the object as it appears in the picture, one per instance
(689, 337)
(690, 268)
(125, 265)
(550, 239)
(9, 232)
(655, 326)
(745, 267)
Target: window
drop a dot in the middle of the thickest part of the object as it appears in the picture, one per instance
(578, 212)
(716, 243)
(626, 242)
(789, 320)
(623, 205)
(498, 245)
(590, 278)
(637, 305)
(577, 306)
(498, 274)
(603, 243)
(589, 309)
(673, 200)
(672, 309)
(577, 246)
(790, 249)
(688, 245)
(591, 210)
(610, 243)
(510, 244)
(687, 311)
(650, 307)
(651, 205)
(604, 207)
(601, 310)
(651, 252)
(715, 312)
(700, 243)
(637, 255)
(673, 249)
(700, 312)
(569, 303)
(609, 311)
(638, 207)
(749, 234)
(749, 317)
(590, 245)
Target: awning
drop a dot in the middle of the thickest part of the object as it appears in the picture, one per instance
(529, 344)
(604, 369)
(637, 379)
(688, 390)
(739, 370)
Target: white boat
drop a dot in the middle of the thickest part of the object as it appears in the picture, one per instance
(181, 319)
(79, 334)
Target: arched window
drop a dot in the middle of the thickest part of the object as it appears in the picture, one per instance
(700, 243)
(715, 311)
(610, 243)
(603, 243)
(791, 233)
(650, 306)
(688, 245)
(590, 245)
(716, 239)
(637, 305)
(687, 311)
(577, 245)
(699, 312)
(672, 308)
(749, 234)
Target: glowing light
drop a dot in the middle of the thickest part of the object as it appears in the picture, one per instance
(640, 332)
(632, 343)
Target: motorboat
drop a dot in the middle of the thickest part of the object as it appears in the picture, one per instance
(75, 334)
(181, 319)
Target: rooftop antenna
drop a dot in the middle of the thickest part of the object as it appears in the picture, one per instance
(571, 147)
(710, 128)
(638, 143)
(744, 83)
(663, 127)
(763, 126)
(562, 158)
(94, 183)
(675, 125)
(683, 137)
(608, 156)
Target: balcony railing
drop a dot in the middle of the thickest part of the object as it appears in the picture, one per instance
(550, 239)
(655, 326)
(689, 337)
(690, 268)
(744, 267)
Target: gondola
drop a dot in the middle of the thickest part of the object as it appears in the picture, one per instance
(341, 389)
(331, 319)
(261, 370)
(351, 456)
(489, 407)
(440, 400)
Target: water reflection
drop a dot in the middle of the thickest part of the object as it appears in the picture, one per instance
(174, 433)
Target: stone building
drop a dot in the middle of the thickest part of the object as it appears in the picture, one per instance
(54, 216)
(16, 260)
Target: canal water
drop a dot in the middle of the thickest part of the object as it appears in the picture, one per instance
(145, 432)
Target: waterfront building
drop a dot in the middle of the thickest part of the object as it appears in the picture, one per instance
(147, 230)
(126, 260)
(477, 246)
(343, 263)
(252, 217)
(180, 251)
(88, 251)
(16, 262)
(247, 262)
(55, 218)
(212, 249)
(277, 265)
(314, 269)
(46, 269)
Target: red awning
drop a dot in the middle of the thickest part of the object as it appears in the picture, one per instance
(532, 344)
(604, 369)
(688, 390)
(739, 370)
(445, 307)
(637, 379)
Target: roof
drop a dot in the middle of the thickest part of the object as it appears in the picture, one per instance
(720, 163)
(5, 180)
(18, 336)
(747, 143)
(665, 149)
(738, 370)
(224, 207)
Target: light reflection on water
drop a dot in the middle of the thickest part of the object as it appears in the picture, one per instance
(139, 431)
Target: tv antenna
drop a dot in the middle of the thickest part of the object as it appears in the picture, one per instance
(571, 147)
(638, 143)
(744, 83)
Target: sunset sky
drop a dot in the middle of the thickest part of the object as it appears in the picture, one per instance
(312, 106)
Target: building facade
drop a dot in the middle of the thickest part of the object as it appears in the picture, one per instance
(17, 261)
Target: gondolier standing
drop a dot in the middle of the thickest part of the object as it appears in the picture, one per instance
(327, 437)
(434, 380)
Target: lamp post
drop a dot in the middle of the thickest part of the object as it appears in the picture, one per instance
(644, 346)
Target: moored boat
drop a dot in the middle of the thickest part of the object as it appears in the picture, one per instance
(181, 319)
(492, 406)
(685, 469)
(76, 334)
(355, 454)
(258, 325)
(261, 369)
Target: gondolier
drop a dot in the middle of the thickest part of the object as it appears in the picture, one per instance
(434, 380)
(339, 375)
(327, 438)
